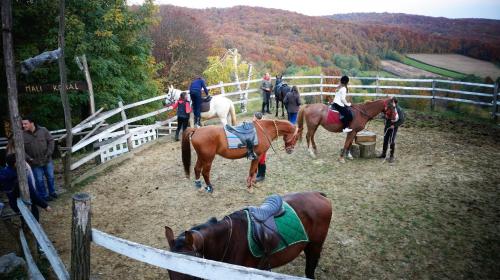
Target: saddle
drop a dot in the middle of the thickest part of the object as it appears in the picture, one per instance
(265, 232)
(246, 133)
(205, 103)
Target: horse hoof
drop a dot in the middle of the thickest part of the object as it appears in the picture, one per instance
(197, 184)
(209, 189)
(341, 160)
(250, 190)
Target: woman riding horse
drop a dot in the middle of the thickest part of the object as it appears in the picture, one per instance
(317, 114)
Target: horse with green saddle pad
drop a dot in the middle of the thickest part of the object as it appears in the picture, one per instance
(301, 223)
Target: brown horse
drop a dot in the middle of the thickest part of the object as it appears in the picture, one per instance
(316, 115)
(226, 240)
(211, 140)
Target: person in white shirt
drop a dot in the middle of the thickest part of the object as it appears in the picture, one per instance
(340, 103)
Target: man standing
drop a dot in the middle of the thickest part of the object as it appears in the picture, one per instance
(39, 145)
(266, 93)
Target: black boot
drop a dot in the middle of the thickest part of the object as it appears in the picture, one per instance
(261, 173)
(177, 135)
(391, 157)
(263, 106)
(383, 154)
(250, 154)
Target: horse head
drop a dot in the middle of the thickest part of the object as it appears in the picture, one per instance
(291, 139)
(172, 95)
(390, 109)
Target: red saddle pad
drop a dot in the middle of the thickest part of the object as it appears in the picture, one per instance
(333, 117)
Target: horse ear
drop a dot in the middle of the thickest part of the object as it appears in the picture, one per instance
(169, 234)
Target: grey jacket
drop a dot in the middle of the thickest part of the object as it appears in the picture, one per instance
(266, 85)
(39, 146)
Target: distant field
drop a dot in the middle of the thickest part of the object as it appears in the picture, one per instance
(384, 74)
(459, 63)
(433, 69)
(405, 71)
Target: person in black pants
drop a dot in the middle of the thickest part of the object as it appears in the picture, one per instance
(183, 111)
(195, 91)
(391, 130)
(266, 87)
(341, 105)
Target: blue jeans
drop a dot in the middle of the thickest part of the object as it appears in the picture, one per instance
(39, 172)
(292, 117)
(196, 98)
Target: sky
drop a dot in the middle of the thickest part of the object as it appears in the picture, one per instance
(435, 8)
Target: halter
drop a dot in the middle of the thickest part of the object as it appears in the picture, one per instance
(202, 255)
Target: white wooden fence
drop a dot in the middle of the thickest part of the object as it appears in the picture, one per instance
(430, 89)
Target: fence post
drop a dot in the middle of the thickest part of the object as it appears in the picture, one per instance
(89, 83)
(221, 85)
(321, 88)
(377, 83)
(81, 235)
(495, 105)
(433, 100)
(125, 127)
(244, 102)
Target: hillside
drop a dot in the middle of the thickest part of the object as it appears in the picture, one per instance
(278, 38)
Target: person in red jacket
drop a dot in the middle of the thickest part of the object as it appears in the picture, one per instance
(183, 111)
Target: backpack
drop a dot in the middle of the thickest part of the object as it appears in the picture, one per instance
(181, 110)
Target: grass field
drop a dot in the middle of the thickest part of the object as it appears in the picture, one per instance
(459, 63)
(430, 68)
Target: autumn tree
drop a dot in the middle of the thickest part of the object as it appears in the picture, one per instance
(181, 44)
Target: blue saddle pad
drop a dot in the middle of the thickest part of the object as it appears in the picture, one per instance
(246, 129)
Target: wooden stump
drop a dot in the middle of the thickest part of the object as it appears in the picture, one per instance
(355, 150)
(81, 234)
(367, 149)
(365, 136)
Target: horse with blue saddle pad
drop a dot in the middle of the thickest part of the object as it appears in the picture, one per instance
(262, 237)
(209, 141)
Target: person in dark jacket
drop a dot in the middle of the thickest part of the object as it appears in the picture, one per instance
(9, 182)
(391, 130)
(292, 103)
(39, 146)
(195, 91)
(183, 111)
(266, 87)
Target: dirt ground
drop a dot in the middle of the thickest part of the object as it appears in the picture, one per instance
(403, 70)
(434, 213)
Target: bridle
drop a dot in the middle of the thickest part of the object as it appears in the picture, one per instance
(202, 254)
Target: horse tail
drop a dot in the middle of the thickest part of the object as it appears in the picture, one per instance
(300, 121)
(233, 114)
(186, 150)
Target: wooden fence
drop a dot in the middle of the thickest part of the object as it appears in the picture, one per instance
(108, 140)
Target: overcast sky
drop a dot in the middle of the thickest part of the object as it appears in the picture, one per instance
(436, 8)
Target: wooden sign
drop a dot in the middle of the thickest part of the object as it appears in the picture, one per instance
(51, 88)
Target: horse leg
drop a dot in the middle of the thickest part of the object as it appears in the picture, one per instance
(311, 145)
(207, 166)
(252, 174)
(282, 109)
(197, 172)
(312, 252)
(347, 145)
(277, 106)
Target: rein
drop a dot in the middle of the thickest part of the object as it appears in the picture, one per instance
(265, 134)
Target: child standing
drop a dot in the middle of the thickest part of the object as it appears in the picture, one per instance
(183, 111)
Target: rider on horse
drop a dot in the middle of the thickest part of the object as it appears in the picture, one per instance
(340, 103)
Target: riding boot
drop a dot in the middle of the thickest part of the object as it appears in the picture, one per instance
(391, 157)
(250, 154)
(263, 106)
(261, 173)
(177, 133)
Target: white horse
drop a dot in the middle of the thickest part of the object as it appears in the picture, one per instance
(220, 106)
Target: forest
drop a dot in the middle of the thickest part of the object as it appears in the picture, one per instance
(134, 52)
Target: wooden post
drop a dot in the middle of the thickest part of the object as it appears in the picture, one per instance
(81, 235)
(377, 83)
(433, 100)
(222, 91)
(495, 105)
(89, 84)
(321, 88)
(247, 86)
(237, 80)
(64, 98)
(125, 127)
(15, 118)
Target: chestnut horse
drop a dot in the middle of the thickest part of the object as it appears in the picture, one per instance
(211, 140)
(316, 115)
(226, 240)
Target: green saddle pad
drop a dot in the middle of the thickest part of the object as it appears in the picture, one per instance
(289, 226)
